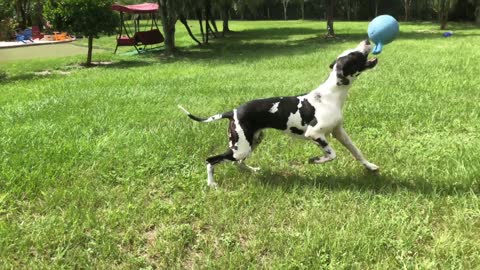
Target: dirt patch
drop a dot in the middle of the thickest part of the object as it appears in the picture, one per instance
(48, 72)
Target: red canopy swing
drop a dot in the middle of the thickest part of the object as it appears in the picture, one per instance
(147, 37)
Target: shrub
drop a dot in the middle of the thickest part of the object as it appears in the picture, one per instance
(7, 29)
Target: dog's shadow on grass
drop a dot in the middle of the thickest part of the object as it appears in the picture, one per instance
(371, 182)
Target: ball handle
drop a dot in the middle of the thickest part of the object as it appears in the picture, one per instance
(378, 48)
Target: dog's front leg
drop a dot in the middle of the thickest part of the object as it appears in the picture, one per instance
(321, 141)
(341, 135)
(241, 164)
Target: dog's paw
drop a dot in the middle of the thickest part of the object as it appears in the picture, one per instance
(371, 167)
(319, 160)
(213, 185)
(246, 167)
(254, 169)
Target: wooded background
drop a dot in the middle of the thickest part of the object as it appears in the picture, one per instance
(29, 12)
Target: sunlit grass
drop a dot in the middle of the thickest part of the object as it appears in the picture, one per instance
(99, 169)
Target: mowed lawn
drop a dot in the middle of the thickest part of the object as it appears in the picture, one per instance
(99, 168)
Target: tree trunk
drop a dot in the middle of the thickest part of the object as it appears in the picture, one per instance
(185, 23)
(214, 24)
(477, 14)
(207, 24)
(302, 6)
(28, 15)
(446, 17)
(443, 13)
(90, 48)
(376, 7)
(20, 8)
(212, 19)
(39, 15)
(406, 6)
(210, 28)
(443, 20)
(330, 16)
(443, 25)
(200, 22)
(268, 13)
(168, 16)
(285, 10)
(226, 16)
(347, 6)
(355, 8)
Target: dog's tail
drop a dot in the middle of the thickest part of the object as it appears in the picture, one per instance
(215, 117)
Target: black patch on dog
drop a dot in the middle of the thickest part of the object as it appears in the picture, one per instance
(333, 64)
(307, 112)
(314, 122)
(296, 130)
(257, 139)
(322, 143)
(228, 155)
(350, 64)
(256, 114)
(233, 135)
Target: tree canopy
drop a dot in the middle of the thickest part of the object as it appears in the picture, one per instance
(87, 17)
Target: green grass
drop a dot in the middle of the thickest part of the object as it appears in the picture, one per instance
(29, 53)
(99, 169)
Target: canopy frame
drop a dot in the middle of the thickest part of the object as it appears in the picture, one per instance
(146, 37)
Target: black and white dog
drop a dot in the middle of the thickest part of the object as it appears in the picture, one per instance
(312, 116)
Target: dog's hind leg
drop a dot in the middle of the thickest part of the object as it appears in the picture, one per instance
(212, 161)
(330, 154)
(257, 139)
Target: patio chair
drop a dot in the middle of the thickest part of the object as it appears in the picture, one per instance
(27, 33)
(20, 38)
(36, 34)
(61, 36)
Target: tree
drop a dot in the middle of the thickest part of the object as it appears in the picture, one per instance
(442, 8)
(268, 4)
(477, 13)
(7, 23)
(254, 6)
(22, 6)
(406, 6)
(285, 5)
(38, 13)
(6, 9)
(168, 14)
(352, 6)
(225, 6)
(88, 17)
(477, 10)
(376, 7)
(330, 16)
(240, 7)
(301, 3)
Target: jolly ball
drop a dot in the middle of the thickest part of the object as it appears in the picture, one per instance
(382, 30)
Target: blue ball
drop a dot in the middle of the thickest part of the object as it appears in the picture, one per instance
(382, 30)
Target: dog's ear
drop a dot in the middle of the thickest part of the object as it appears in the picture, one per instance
(342, 64)
(333, 63)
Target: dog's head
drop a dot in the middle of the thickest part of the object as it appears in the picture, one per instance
(351, 63)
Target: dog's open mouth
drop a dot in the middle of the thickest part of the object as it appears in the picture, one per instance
(372, 62)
